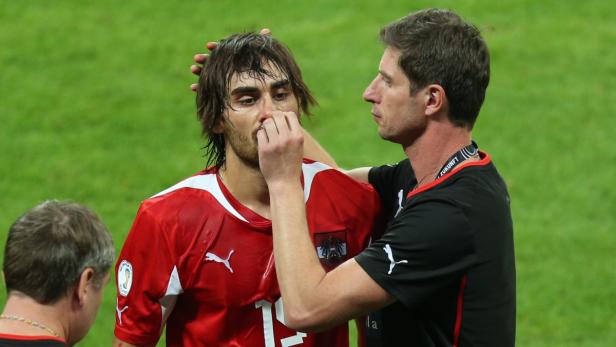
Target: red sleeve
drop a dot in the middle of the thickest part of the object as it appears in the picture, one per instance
(343, 209)
(146, 279)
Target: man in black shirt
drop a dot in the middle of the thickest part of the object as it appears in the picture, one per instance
(443, 273)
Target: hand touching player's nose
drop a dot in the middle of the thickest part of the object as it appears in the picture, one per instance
(280, 142)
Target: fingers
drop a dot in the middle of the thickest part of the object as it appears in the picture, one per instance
(271, 130)
(293, 122)
(262, 139)
(211, 45)
(195, 69)
(200, 58)
(282, 128)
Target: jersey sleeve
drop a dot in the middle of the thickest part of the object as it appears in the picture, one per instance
(343, 215)
(146, 279)
(426, 248)
(392, 182)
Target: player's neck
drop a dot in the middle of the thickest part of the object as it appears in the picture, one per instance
(430, 151)
(247, 186)
(26, 317)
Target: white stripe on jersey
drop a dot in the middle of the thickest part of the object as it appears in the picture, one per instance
(167, 302)
(208, 183)
(310, 170)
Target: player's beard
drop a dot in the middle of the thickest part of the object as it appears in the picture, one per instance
(243, 145)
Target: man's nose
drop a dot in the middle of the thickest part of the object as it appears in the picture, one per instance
(370, 94)
(267, 108)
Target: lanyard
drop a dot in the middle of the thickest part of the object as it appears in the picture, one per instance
(458, 157)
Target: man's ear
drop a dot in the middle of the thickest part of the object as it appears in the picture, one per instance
(219, 128)
(84, 286)
(435, 99)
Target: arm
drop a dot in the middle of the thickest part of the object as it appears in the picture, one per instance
(359, 174)
(313, 299)
(313, 150)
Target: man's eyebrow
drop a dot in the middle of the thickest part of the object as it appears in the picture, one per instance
(280, 84)
(244, 90)
(385, 74)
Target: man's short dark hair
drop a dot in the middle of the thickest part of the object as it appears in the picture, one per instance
(250, 53)
(49, 247)
(438, 47)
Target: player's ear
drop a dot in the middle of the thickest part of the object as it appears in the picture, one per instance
(219, 127)
(83, 286)
(434, 99)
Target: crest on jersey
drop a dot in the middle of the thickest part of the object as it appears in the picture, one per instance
(331, 247)
(125, 277)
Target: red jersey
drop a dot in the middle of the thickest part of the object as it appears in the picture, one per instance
(201, 263)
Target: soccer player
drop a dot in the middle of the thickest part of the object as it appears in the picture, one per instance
(199, 257)
(443, 273)
(56, 262)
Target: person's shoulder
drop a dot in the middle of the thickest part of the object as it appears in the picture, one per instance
(480, 180)
(198, 188)
(402, 167)
(476, 188)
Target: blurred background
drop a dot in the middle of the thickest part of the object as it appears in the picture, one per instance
(95, 107)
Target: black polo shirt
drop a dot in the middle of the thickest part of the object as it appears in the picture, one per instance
(9, 340)
(448, 259)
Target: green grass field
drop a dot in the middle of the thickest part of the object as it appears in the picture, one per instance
(95, 107)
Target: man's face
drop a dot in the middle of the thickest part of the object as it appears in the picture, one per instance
(398, 114)
(252, 100)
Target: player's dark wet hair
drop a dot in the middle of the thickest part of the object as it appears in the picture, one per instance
(250, 53)
(438, 47)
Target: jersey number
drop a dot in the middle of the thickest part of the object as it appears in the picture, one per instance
(268, 324)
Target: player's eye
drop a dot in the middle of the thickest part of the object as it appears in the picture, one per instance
(281, 95)
(385, 80)
(247, 100)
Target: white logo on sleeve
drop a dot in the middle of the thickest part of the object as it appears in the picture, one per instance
(390, 256)
(125, 277)
(119, 312)
(213, 257)
(399, 202)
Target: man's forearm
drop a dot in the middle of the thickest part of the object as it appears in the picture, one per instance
(298, 268)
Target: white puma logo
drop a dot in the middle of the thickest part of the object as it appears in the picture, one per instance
(213, 257)
(390, 256)
(399, 202)
(120, 311)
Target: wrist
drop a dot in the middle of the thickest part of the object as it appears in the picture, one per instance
(284, 187)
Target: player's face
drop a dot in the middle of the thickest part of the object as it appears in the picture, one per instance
(398, 114)
(253, 100)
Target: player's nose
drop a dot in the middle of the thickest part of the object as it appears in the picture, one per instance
(267, 108)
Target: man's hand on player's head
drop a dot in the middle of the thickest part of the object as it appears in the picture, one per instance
(201, 58)
(280, 142)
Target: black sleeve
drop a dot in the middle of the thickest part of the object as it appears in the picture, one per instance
(392, 182)
(427, 247)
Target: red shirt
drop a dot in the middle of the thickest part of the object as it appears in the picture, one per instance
(200, 262)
